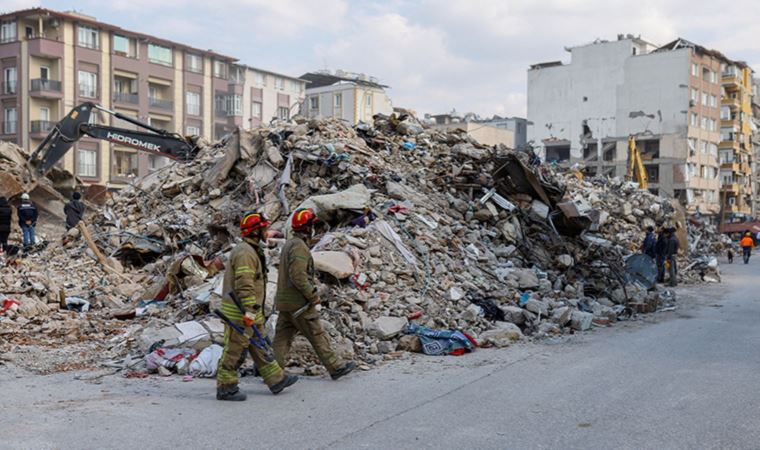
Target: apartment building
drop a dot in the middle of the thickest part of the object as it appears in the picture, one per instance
(345, 95)
(736, 142)
(269, 96)
(670, 98)
(52, 61)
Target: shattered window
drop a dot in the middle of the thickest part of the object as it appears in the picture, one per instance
(283, 113)
(124, 163)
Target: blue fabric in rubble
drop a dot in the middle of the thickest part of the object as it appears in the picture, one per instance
(439, 342)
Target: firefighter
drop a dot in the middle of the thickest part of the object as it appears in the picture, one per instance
(296, 287)
(246, 276)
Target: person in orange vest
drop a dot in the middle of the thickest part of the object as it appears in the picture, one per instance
(746, 243)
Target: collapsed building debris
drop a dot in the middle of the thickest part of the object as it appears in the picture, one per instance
(424, 232)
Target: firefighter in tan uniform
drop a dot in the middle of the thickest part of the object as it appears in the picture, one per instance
(246, 276)
(295, 289)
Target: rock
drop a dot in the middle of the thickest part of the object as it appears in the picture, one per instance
(402, 192)
(537, 307)
(514, 314)
(503, 336)
(562, 315)
(385, 347)
(526, 278)
(386, 327)
(388, 276)
(471, 313)
(483, 215)
(565, 260)
(410, 343)
(338, 264)
(456, 293)
(581, 321)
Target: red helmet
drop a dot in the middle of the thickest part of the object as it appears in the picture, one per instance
(303, 218)
(251, 222)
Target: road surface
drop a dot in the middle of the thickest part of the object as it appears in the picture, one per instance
(684, 379)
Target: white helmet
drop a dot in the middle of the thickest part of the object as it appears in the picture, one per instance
(24, 196)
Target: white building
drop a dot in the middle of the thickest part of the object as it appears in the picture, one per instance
(269, 95)
(585, 110)
(351, 97)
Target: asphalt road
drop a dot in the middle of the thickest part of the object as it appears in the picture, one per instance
(678, 380)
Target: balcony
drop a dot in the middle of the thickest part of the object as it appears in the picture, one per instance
(731, 80)
(41, 128)
(730, 187)
(160, 103)
(733, 166)
(9, 88)
(126, 97)
(45, 88)
(732, 102)
(45, 47)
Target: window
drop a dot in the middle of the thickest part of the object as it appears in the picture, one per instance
(45, 113)
(9, 125)
(256, 110)
(88, 84)
(220, 69)
(193, 103)
(124, 164)
(713, 101)
(261, 79)
(712, 125)
(87, 163)
(314, 103)
(725, 113)
(29, 32)
(283, 113)
(88, 37)
(44, 73)
(191, 130)
(156, 162)
(7, 31)
(338, 101)
(234, 105)
(124, 46)
(159, 54)
(278, 81)
(704, 122)
(194, 63)
(369, 100)
(694, 70)
(705, 98)
(9, 75)
(706, 74)
(703, 146)
(694, 120)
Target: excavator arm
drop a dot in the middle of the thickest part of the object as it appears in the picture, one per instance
(636, 165)
(77, 124)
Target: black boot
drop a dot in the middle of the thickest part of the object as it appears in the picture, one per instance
(232, 394)
(288, 380)
(343, 371)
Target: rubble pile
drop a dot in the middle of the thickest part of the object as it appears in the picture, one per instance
(419, 227)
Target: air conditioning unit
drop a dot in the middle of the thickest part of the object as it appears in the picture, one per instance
(692, 103)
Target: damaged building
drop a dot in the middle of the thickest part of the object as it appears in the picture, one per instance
(686, 106)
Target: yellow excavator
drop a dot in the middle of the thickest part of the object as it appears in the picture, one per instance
(636, 165)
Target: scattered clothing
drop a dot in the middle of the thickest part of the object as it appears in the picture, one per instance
(442, 342)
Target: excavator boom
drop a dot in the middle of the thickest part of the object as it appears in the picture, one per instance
(636, 165)
(77, 124)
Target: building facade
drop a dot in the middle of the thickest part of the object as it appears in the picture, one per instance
(517, 125)
(53, 61)
(352, 97)
(269, 96)
(671, 99)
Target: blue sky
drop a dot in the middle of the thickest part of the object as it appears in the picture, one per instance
(436, 55)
